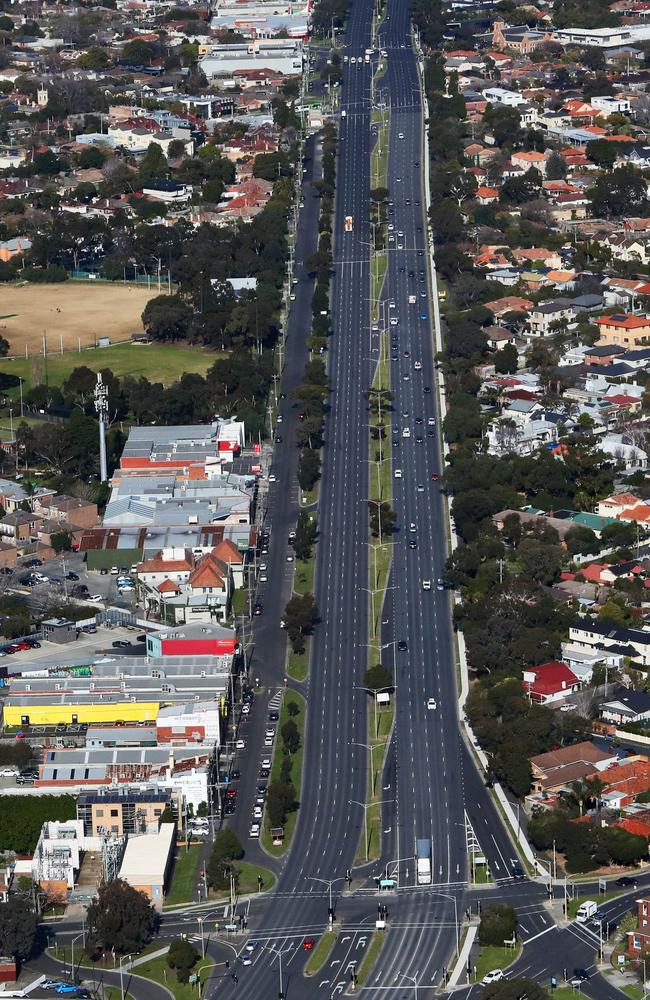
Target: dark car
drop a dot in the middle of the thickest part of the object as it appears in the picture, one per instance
(258, 609)
(33, 562)
(72, 576)
(402, 645)
(581, 974)
(274, 716)
(264, 772)
(427, 388)
(518, 873)
(627, 880)
(413, 544)
(25, 779)
(6, 570)
(121, 644)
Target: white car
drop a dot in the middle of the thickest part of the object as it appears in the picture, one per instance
(400, 135)
(418, 366)
(289, 557)
(394, 321)
(420, 487)
(268, 741)
(406, 433)
(8, 772)
(254, 830)
(492, 977)
(95, 598)
(431, 422)
(257, 812)
(240, 744)
(270, 732)
(279, 418)
(432, 703)
(272, 478)
(263, 578)
(266, 762)
(245, 709)
(398, 473)
(426, 585)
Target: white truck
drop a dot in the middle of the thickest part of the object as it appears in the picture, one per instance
(585, 911)
(423, 850)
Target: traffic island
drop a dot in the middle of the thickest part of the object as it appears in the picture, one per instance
(321, 952)
(286, 768)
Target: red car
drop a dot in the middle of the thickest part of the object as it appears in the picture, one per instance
(308, 944)
(435, 477)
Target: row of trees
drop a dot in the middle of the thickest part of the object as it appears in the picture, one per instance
(281, 792)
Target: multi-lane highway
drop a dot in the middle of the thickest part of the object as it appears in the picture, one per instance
(434, 788)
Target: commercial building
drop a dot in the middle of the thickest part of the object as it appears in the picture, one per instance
(124, 810)
(192, 640)
(281, 56)
(147, 861)
(182, 447)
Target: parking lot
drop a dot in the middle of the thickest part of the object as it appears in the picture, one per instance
(83, 650)
(105, 585)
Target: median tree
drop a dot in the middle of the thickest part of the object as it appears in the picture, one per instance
(378, 677)
(306, 532)
(498, 924)
(280, 799)
(120, 918)
(300, 615)
(290, 736)
(182, 957)
(226, 850)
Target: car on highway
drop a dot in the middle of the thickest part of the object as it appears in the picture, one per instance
(426, 585)
(432, 703)
(492, 977)
(308, 944)
(248, 952)
(398, 473)
(626, 881)
(434, 477)
(412, 543)
(418, 366)
(420, 488)
(440, 585)
(579, 976)
(427, 388)
(402, 645)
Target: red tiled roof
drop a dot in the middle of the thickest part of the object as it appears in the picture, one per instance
(551, 678)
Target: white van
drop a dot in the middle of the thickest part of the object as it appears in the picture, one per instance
(586, 911)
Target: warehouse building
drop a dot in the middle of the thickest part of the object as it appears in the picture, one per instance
(147, 861)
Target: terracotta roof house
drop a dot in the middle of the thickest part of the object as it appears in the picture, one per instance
(557, 768)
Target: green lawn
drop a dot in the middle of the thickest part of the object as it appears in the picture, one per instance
(321, 953)
(183, 884)
(248, 878)
(158, 970)
(635, 992)
(303, 581)
(157, 362)
(239, 604)
(296, 772)
(494, 958)
(298, 663)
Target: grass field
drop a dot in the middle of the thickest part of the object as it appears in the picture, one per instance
(158, 970)
(183, 884)
(298, 663)
(157, 362)
(75, 313)
(370, 957)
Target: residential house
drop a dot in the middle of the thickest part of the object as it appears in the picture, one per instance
(628, 706)
(624, 330)
(546, 316)
(556, 769)
(550, 683)
(591, 634)
(531, 159)
(509, 303)
(638, 940)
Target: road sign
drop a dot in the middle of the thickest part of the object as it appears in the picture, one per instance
(193, 979)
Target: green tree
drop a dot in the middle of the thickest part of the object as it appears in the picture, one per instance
(581, 541)
(539, 561)
(280, 799)
(225, 851)
(290, 736)
(506, 360)
(621, 192)
(308, 469)
(154, 166)
(300, 615)
(61, 541)
(498, 924)
(166, 317)
(120, 918)
(17, 927)
(293, 709)
(378, 677)
(182, 957)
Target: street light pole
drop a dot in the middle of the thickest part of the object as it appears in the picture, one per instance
(370, 747)
(279, 952)
(128, 959)
(414, 979)
(366, 806)
(447, 895)
(329, 882)
(200, 923)
(82, 935)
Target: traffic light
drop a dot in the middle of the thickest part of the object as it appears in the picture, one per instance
(227, 964)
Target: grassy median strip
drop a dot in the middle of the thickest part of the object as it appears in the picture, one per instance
(296, 771)
(370, 957)
(490, 958)
(159, 972)
(321, 952)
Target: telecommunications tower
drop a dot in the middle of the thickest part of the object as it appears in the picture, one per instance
(101, 406)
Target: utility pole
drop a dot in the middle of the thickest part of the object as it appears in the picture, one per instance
(101, 408)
